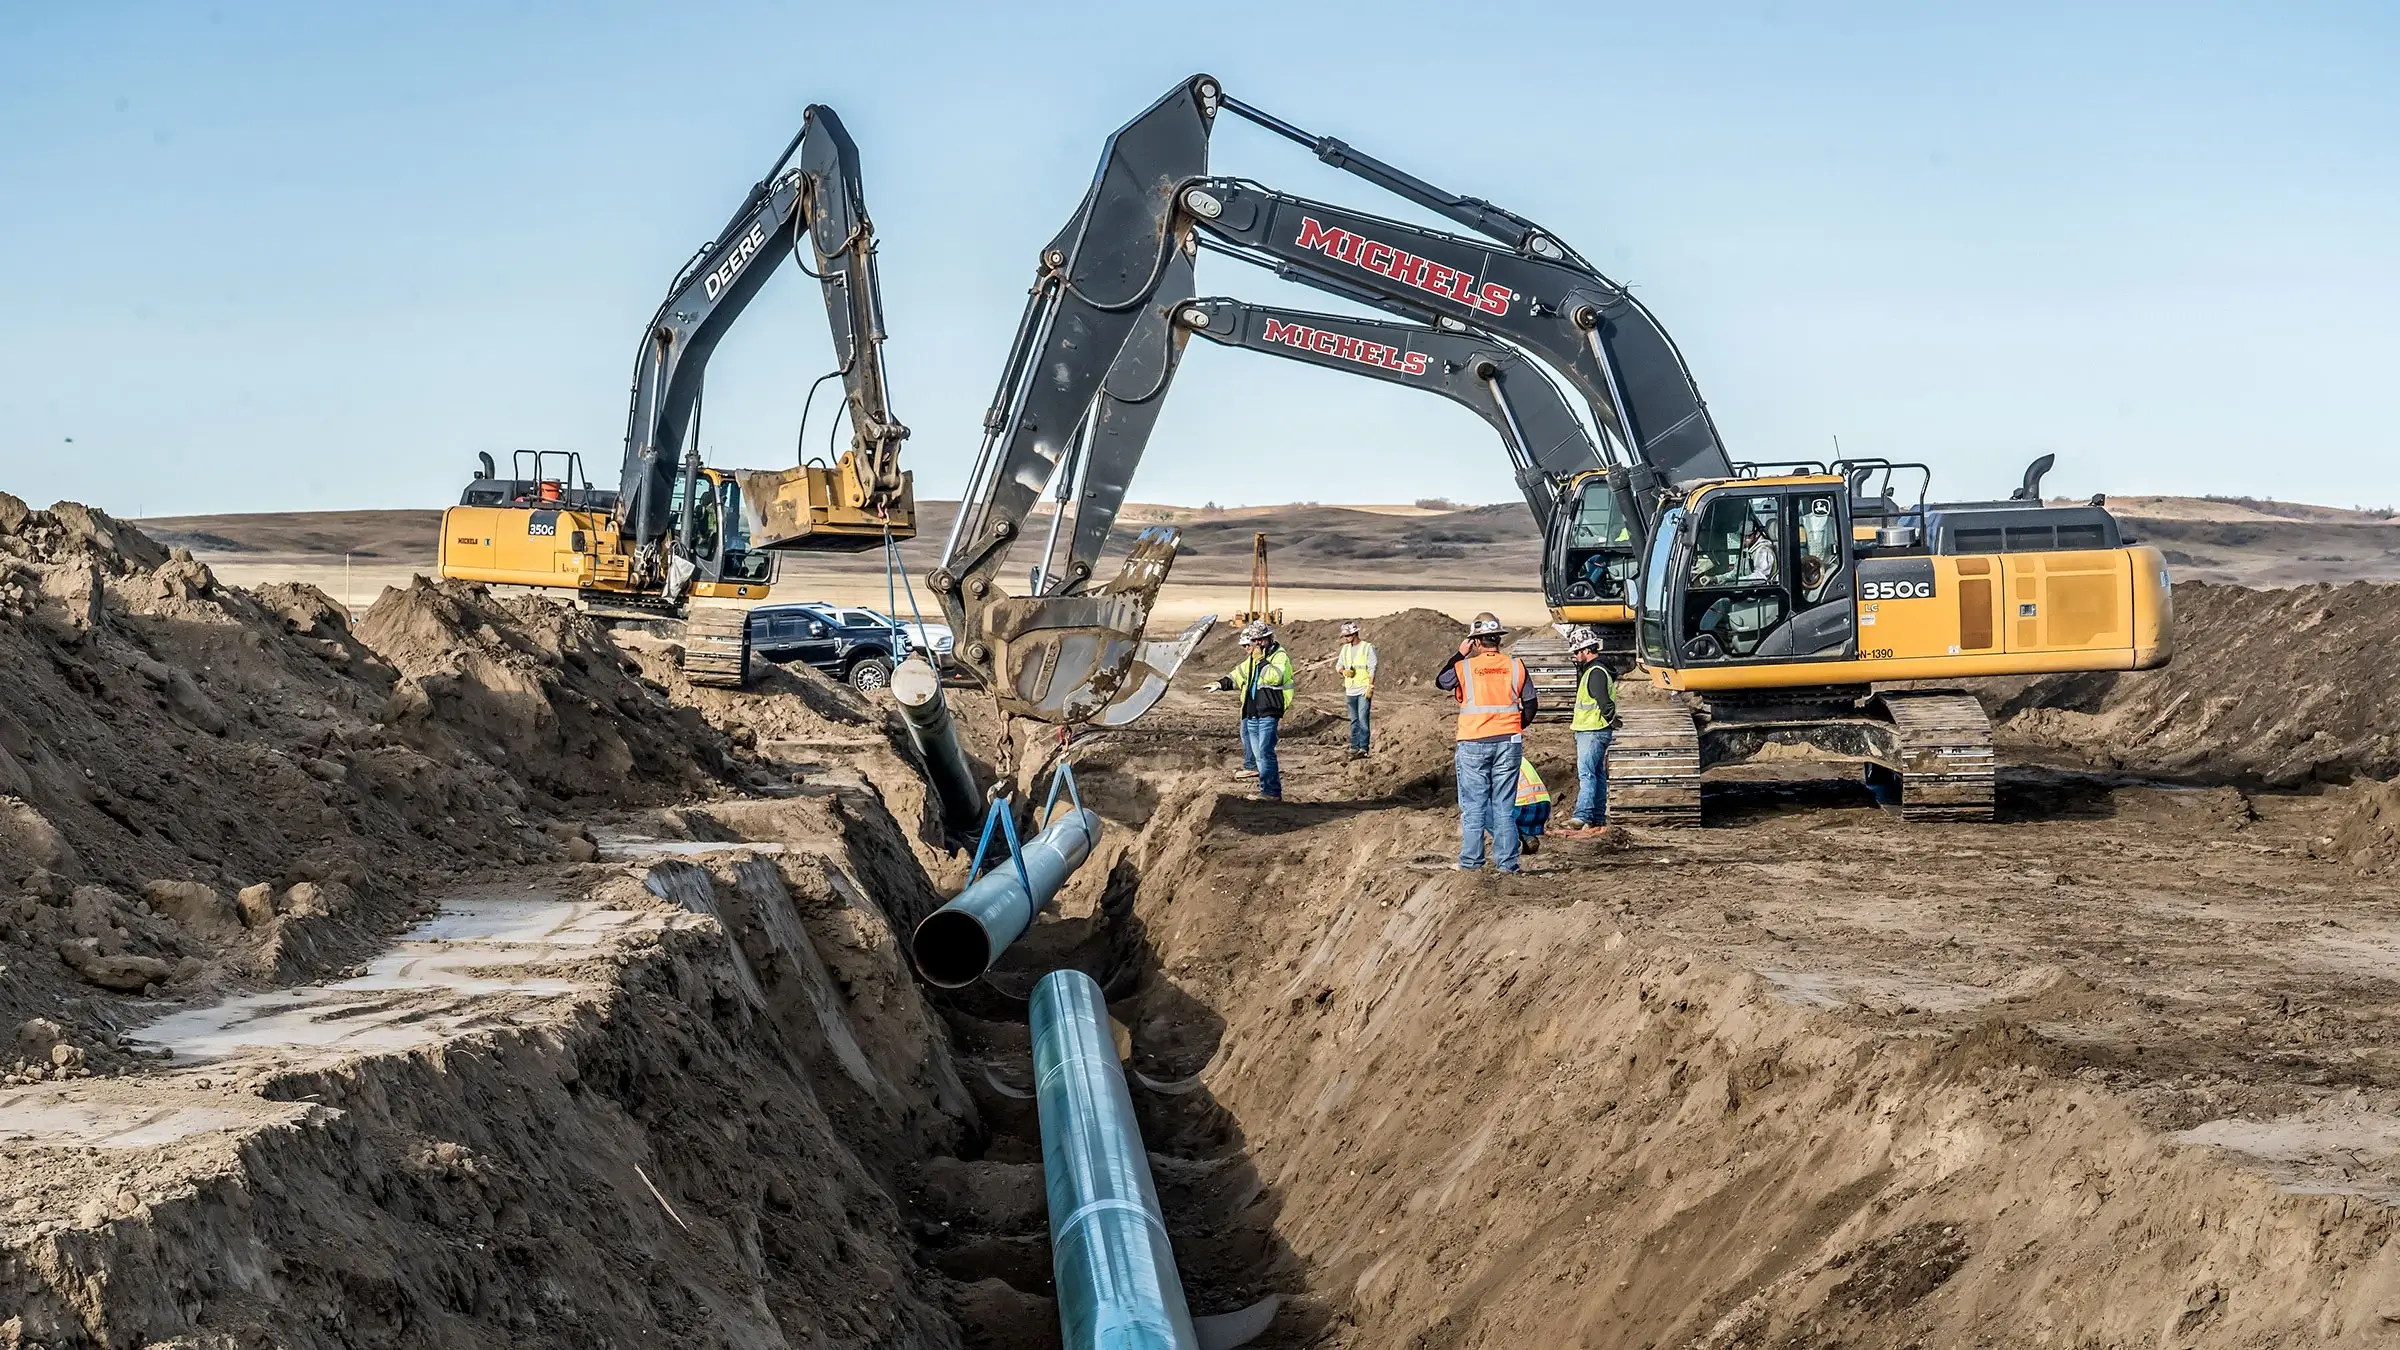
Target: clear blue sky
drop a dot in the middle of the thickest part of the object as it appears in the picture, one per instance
(290, 256)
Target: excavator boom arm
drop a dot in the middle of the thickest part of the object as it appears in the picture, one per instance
(1546, 444)
(820, 195)
(1588, 328)
(1097, 314)
(1100, 341)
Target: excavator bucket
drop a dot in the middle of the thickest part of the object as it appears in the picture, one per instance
(817, 509)
(1083, 658)
(1154, 664)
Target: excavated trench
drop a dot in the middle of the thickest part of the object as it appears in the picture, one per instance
(1415, 1108)
(2107, 1072)
(1426, 1109)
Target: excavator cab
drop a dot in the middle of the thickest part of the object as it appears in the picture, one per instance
(1595, 553)
(1753, 570)
(726, 565)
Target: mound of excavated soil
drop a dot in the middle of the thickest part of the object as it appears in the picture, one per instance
(2367, 833)
(1409, 647)
(2274, 687)
(200, 783)
(534, 688)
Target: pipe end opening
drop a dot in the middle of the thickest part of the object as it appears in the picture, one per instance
(952, 949)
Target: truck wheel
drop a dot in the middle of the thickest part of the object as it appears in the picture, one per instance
(871, 674)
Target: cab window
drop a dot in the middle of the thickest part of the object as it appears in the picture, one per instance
(1738, 543)
(1819, 529)
(741, 563)
(1657, 595)
(1598, 523)
(1599, 553)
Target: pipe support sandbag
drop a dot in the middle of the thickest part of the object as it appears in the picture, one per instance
(1115, 1271)
(957, 943)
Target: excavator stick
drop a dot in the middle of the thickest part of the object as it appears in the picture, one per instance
(1101, 305)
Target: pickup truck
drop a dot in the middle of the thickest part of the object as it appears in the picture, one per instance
(849, 643)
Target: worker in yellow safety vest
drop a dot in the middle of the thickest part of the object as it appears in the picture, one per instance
(1595, 726)
(1356, 662)
(1496, 702)
(1533, 807)
(1265, 679)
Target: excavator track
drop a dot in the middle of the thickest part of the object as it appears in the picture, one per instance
(1654, 766)
(1553, 671)
(1946, 756)
(716, 645)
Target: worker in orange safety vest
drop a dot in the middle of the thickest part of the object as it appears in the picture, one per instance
(1496, 702)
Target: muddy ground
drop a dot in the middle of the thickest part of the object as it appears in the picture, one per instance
(613, 1040)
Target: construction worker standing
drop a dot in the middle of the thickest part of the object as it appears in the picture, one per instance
(1265, 679)
(1496, 703)
(1595, 725)
(1356, 661)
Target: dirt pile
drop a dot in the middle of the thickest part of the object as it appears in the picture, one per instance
(2277, 688)
(2366, 835)
(1813, 1081)
(687, 1135)
(537, 691)
(1409, 647)
(201, 784)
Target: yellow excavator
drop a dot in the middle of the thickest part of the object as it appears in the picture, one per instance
(677, 546)
(1779, 610)
(1775, 609)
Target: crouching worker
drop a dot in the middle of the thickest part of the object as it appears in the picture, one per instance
(1533, 807)
(1265, 680)
(1495, 704)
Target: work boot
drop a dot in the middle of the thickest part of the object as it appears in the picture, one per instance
(1245, 773)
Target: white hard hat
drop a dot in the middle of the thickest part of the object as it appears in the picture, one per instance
(1487, 624)
(1349, 628)
(1257, 631)
(1583, 639)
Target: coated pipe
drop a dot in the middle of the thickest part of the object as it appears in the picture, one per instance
(926, 714)
(1109, 1255)
(958, 942)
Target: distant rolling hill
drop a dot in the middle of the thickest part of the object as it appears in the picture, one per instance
(2258, 543)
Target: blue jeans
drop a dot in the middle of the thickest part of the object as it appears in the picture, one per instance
(1591, 776)
(1361, 714)
(1487, 800)
(1258, 752)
